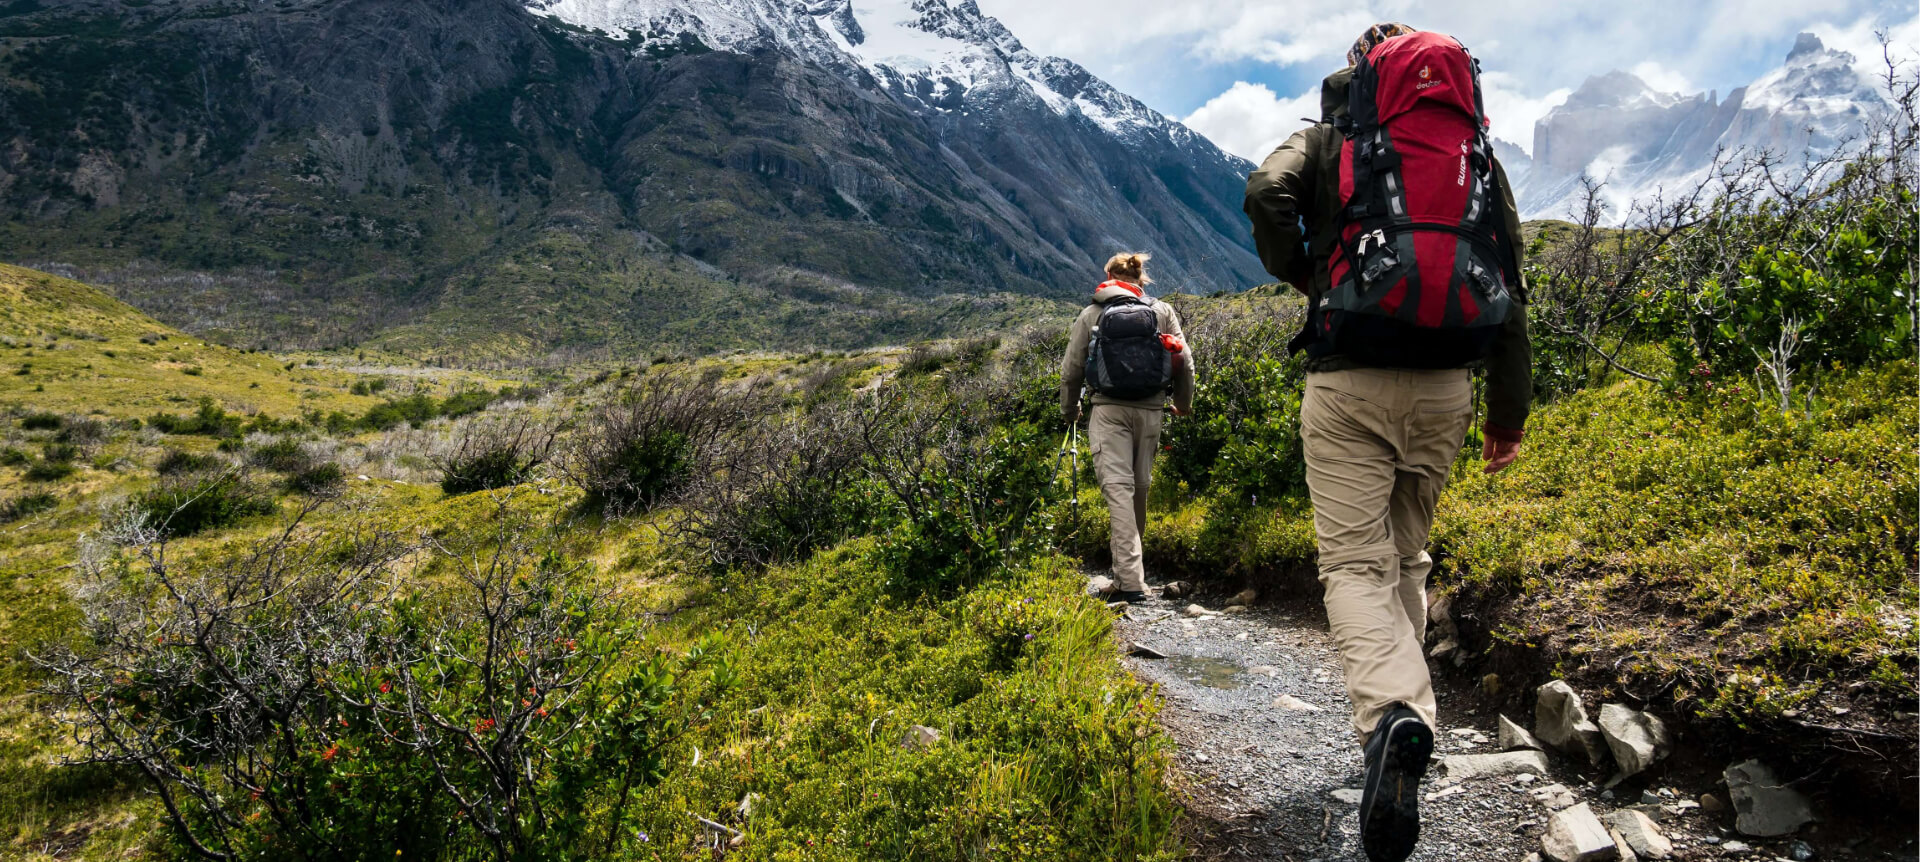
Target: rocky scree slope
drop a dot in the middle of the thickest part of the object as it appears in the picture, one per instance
(489, 177)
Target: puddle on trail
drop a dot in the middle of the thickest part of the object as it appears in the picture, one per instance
(1210, 672)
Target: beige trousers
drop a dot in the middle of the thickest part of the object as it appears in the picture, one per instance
(1378, 447)
(1124, 441)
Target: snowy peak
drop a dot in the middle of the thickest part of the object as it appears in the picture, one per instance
(940, 56)
(1640, 140)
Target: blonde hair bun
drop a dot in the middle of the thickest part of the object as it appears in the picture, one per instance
(1130, 265)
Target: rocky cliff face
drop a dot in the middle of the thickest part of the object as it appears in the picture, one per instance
(1640, 141)
(491, 176)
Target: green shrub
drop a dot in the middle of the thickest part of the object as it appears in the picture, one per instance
(495, 454)
(415, 410)
(41, 421)
(15, 508)
(318, 480)
(389, 712)
(184, 506)
(48, 470)
(60, 453)
(651, 442)
(176, 462)
(209, 421)
(12, 457)
(281, 456)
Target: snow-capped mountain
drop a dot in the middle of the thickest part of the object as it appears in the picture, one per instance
(593, 173)
(933, 54)
(1640, 141)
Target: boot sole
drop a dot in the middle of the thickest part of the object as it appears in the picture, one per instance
(1393, 824)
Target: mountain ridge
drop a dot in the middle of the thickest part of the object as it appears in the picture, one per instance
(455, 174)
(1642, 141)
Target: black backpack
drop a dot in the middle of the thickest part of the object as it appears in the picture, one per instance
(1125, 359)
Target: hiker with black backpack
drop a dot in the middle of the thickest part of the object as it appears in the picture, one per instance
(1127, 348)
(1395, 220)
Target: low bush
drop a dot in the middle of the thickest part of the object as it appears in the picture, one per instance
(49, 470)
(41, 421)
(283, 455)
(177, 462)
(287, 701)
(792, 488)
(15, 508)
(318, 480)
(13, 457)
(186, 505)
(209, 421)
(498, 454)
(652, 441)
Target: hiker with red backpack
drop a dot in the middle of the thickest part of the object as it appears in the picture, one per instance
(1127, 347)
(1395, 220)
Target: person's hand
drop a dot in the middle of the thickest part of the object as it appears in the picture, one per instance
(1498, 454)
(1070, 416)
(1179, 412)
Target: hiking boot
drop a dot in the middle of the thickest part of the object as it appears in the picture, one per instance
(1132, 597)
(1397, 756)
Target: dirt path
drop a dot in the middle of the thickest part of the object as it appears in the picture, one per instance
(1269, 781)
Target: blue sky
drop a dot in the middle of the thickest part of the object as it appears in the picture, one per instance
(1244, 71)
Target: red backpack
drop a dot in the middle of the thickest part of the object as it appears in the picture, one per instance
(1421, 270)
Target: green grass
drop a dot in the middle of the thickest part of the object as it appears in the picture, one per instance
(1756, 559)
(1047, 749)
(65, 331)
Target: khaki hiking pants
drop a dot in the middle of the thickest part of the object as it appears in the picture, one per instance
(1124, 441)
(1378, 447)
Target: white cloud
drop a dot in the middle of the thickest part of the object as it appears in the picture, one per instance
(1512, 111)
(1663, 79)
(1249, 120)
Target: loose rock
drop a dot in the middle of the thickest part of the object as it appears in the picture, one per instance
(1245, 597)
(1444, 649)
(1762, 804)
(1712, 804)
(1349, 796)
(1144, 651)
(1293, 704)
(1554, 796)
(1641, 834)
(1196, 611)
(920, 737)
(1099, 585)
(1175, 590)
(1462, 767)
(1560, 720)
(1514, 737)
(1637, 739)
(1620, 849)
(1575, 835)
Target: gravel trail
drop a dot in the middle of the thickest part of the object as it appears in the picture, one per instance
(1270, 768)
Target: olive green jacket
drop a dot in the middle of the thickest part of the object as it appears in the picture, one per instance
(1297, 186)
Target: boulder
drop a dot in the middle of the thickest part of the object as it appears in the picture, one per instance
(1099, 585)
(1176, 590)
(1461, 767)
(919, 737)
(1560, 720)
(1513, 737)
(1637, 739)
(1245, 597)
(1575, 835)
(1620, 849)
(1641, 834)
(1764, 806)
